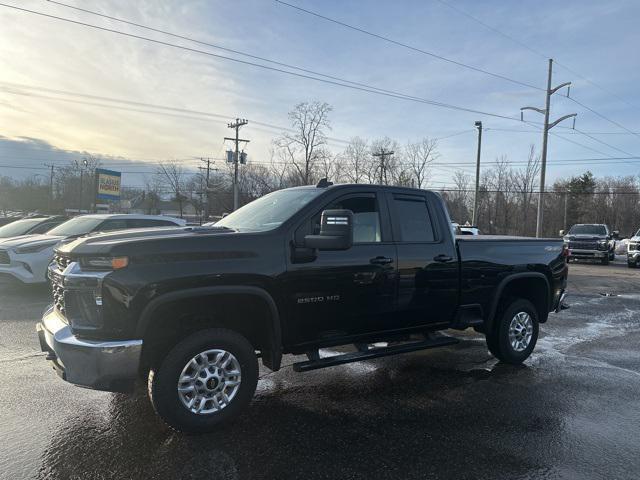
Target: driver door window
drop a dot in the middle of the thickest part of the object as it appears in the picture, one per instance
(366, 217)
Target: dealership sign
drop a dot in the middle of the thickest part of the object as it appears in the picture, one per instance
(108, 184)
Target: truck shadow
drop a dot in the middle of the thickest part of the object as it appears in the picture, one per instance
(386, 418)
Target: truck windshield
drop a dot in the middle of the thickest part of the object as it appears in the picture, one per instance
(270, 211)
(76, 226)
(588, 230)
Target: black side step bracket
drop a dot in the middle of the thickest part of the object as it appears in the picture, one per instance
(350, 357)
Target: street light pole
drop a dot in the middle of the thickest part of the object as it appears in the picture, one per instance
(474, 215)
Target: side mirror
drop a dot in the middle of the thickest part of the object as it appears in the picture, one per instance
(336, 231)
(616, 234)
(561, 233)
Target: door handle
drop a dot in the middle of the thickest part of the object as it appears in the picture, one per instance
(442, 258)
(380, 260)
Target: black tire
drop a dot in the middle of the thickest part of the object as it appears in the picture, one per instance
(612, 256)
(163, 380)
(498, 339)
(632, 264)
(605, 260)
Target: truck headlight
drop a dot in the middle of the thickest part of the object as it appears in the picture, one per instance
(104, 263)
(603, 244)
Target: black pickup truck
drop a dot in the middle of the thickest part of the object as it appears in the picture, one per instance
(191, 310)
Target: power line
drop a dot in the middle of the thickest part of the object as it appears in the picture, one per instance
(563, 133)
(346, 84)
(536, 52)
(222, 117)
(200, 42)
(410, 47)
(384, 38)
(604, 143)
(605, 118)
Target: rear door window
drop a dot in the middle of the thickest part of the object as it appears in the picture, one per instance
(115, 224)
(412, 217)
(149, 222)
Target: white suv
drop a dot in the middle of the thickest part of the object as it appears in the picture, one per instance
(26, 258)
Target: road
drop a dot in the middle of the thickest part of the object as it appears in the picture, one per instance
(571, 412)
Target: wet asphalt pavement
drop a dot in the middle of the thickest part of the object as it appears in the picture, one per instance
(571, 412)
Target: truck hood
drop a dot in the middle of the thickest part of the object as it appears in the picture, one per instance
(29, 240)
(141, 240)
(583, 237)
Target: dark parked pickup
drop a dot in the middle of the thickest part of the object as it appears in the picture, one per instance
(591, 240)
(193, 309)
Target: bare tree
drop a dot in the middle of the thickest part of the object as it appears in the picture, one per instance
(309, 122)
(356, 160)
(458, 199)
(419, 156)
(153, 194)
(524, 183)
(174, 176)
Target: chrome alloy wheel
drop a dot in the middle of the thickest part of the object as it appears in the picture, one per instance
(209, 382)
(520, 331)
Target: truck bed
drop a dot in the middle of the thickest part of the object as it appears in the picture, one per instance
(488, 259)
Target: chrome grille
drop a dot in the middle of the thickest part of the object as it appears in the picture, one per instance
(4, 258)
(57, 289)
(61, 261)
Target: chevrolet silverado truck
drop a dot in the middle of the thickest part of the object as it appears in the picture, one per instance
(193, 310)
(591, 241)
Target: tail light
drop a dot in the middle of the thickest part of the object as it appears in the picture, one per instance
(566, 253)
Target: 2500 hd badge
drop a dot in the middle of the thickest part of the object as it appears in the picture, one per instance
(192, 310)
(316, 299)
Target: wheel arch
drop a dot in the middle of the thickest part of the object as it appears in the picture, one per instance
(532, 286)
(269, 337)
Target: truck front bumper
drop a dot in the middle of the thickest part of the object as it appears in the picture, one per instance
(588, 253)
(101, 365)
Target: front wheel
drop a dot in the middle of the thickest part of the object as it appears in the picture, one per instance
(632, 264)
(206, 379)
(515, 333)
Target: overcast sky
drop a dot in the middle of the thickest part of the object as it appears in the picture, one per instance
(596, 40)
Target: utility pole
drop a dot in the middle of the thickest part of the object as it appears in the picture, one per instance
(383, 154)
(51, 166)
(237, 124)
(208, 170)
(206, 209)
(85, 163)
(545, 136)
(474, 215)
(564, 224)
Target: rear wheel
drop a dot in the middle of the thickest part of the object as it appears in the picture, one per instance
(206, 379)
(515, 332)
